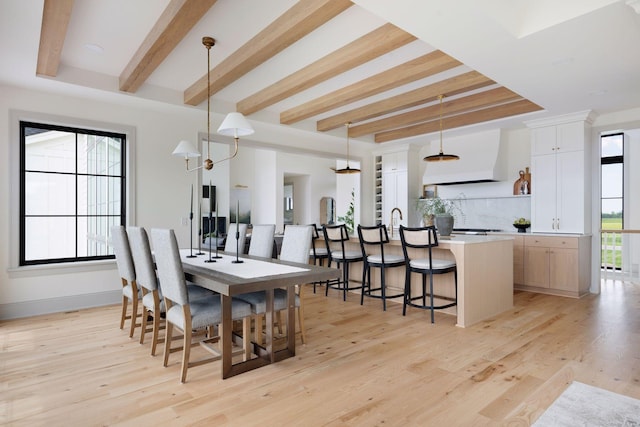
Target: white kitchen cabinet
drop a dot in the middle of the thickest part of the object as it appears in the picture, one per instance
(560, 179)
(394, 162)
(395, 195)
(558, 199)
(558, 139)
(395, 187)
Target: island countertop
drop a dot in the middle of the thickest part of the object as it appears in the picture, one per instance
(461, 239)
(485, 272)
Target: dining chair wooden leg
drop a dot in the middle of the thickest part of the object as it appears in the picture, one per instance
(156, 329)
(186, 352)
(303, 331)
(143, 324)
(278, 322)
(246, 337)
(167, 343)
(123, 316)
(134, 315)
(186, 347)
(258, 324)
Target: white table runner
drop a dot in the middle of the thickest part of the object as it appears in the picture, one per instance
(249, 269)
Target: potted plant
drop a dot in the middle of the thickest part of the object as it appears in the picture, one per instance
(522, 224)
(348, 218)
(441, 211)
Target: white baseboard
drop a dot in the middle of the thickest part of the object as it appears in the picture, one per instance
(56, 305)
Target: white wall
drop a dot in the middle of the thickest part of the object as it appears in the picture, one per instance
(314, 181)
(161, 187)
(161, 195)
(263, 210)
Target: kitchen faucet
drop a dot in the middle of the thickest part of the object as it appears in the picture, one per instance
(392, 219)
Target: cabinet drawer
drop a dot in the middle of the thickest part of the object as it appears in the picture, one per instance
(551, 242)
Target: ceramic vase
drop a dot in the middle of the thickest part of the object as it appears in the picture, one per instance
(444, 224)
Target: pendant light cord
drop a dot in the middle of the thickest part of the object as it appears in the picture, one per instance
(348, 125)
(208, 98)
(440, 98)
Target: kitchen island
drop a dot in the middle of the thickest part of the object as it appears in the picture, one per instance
(485, 274)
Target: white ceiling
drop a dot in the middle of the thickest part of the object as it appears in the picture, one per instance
(565, 56)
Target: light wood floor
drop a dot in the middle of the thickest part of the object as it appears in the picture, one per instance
(361, 366)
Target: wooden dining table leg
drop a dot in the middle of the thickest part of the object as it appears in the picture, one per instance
(269, 318)
(226, 336)
(291, 319)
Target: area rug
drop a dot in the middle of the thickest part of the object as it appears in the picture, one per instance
(585, 405)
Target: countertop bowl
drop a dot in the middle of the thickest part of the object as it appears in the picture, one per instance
(522, 228)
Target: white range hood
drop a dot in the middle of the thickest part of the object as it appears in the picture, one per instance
(482, 159)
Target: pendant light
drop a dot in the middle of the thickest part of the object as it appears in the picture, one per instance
(440, 157)
(234, 124)
(348, 169)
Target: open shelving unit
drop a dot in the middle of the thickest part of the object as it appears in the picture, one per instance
(378, 190)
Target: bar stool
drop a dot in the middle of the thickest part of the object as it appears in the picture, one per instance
(317, 255)
(335, 236)
(425, 238)
(371, 238)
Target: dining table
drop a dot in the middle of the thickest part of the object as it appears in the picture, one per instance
(228, 277)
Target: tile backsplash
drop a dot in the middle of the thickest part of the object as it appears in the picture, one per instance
(493, 212)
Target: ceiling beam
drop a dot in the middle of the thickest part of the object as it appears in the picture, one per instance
(449, 87)
(427, 65)
(492, 113)
(55, 20)
(177, 19)
(378, 42)
(304, 17)
(476, 101)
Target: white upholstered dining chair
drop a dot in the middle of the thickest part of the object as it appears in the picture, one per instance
(296, 244)
(230, 243)
(261, 243)
(127, 273)
(147, 281)
(190, 315)
(148, 284)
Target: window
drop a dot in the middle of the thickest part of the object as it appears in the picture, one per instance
(612, 195)
(72, 190)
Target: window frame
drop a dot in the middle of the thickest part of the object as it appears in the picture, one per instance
(76, 174)
(611, 160)
(617, 159)
(15, 176)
